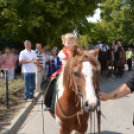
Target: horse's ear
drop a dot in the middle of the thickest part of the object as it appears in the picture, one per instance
(74, 51)
(96, 52)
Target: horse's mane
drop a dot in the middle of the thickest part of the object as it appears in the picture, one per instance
(73, 61)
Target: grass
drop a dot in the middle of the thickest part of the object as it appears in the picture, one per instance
(15, 91)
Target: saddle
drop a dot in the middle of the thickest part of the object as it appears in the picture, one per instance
(49, 92)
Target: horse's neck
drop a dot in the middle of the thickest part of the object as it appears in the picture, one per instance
(65, 87)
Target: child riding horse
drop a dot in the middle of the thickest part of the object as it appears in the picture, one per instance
(77, 88)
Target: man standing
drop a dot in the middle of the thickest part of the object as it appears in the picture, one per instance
(129, 58)
(90, 48)
(28, 58)
(104, 47)
(99, 45)
(39, 75)
(117, 46)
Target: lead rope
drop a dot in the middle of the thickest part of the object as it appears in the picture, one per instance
(94, 122)
(42, 114)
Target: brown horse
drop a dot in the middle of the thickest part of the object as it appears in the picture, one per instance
(107, 59)
(76, 95)
(120, 59)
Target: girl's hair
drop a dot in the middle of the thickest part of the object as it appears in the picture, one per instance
(68, 36)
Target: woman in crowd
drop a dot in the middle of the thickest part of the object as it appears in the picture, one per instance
(47, 62)
(9, 62)
(1, 64)
(55, 63)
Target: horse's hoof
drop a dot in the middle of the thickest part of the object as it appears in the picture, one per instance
(113, 76)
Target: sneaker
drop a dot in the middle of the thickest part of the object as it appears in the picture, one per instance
(28, 99)
(34, 98)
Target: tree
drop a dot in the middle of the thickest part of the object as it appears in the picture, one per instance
(42, 20)
(121, 14)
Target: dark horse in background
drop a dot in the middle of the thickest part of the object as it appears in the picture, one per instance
(107, 58)
(120, 59)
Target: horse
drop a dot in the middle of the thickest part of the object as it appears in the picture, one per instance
(120, 59)
(77, 94)
(107, 58)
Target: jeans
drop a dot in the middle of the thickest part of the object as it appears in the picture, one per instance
(129, 63)
(29, 84)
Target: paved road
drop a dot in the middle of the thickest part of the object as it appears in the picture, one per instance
(119, 114)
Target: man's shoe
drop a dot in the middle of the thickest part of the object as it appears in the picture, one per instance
(34, 98)
(28, 99)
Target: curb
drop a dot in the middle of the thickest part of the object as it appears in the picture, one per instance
(18, 119)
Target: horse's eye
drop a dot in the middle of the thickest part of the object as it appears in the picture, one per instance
(77, 74)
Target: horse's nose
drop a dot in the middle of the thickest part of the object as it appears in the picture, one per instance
(90, 106)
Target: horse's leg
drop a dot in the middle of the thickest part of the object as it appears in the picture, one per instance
(82, 129)
(107, 71)
(112, 71)
(64, 130)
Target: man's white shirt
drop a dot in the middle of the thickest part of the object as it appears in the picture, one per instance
(104, 48)
(27, 55)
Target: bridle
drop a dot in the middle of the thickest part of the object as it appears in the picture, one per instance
(112, 57)
(78, 94)
(79, 100)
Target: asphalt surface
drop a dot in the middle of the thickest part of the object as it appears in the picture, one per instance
(119, 113)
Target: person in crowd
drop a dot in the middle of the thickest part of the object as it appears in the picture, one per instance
(55, 63)
(99, 45)
(1, 75)
(17, 59)
(90, 48)
(129, 58)
(117, 46)
(47, 62)
(29, 60)
(113, 46)
(104, 47)
(9, 62)
(39, 75)
(18, 71)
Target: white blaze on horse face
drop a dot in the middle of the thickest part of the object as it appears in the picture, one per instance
(90, 97)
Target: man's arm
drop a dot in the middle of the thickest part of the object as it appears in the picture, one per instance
(22, 61)
(116, 94)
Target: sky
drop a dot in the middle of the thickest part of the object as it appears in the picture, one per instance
(96, 16)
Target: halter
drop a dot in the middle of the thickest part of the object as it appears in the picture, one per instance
(79, 95)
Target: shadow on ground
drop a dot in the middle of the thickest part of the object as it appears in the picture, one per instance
(107, 132)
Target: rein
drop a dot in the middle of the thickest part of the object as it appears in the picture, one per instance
(71, 116)
(80, 96)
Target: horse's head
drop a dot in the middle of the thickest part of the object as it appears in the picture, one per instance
(121, 52)
(80, 76)
(110, 54)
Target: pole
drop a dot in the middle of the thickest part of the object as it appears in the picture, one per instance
(7, 89)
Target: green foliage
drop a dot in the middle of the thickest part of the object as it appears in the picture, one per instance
(42, 20)
(83, 40)
(117, 23)
(121, 14)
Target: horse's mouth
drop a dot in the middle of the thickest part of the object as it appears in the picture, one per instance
(90, 109)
